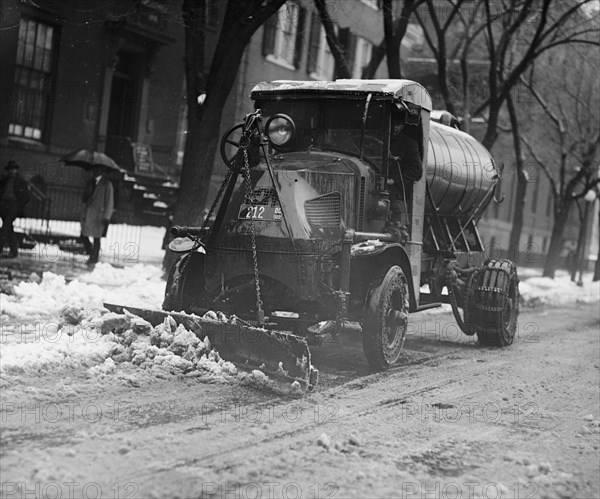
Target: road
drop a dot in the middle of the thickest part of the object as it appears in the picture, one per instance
(453, 420)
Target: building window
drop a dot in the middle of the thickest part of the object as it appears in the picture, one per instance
(283, 34)
(321, 64)
(362, 56)
(33, 79)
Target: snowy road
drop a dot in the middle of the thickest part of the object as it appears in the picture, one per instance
(453, 420)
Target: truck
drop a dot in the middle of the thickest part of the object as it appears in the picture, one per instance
(316, 228)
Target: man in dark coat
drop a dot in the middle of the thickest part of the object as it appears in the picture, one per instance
(407, 153)
(99, 201)
(14, 195)
(405, 169)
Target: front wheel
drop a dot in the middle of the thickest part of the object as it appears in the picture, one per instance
(385, 320)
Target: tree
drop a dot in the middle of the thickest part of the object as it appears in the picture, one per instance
(525, 35)
(389, 47)
(570, 157)
(438, 46)
(517, 33)
(240, 22)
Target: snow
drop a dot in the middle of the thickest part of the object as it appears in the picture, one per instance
(138, 285)
(55, 323)
(536, 290)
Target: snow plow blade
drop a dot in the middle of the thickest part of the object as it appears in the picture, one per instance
(283, 357)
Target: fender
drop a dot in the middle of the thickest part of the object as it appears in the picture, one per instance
(380, 257)
(185, 245)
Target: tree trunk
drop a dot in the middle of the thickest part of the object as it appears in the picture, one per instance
(597, 266)
(240, 23)
(466, 94)
(520, 197)
(392, 48)
(382, 50)
(443, 77)
(342, 65)
(561, 215)
(491, 132)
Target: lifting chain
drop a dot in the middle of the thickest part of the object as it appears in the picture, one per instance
(216, 201)
(250, 200)
(210, 212)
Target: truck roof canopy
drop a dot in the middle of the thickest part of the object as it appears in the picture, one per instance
(406, 90)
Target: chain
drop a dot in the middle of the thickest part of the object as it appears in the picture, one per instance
(216, 201)
(250, 200)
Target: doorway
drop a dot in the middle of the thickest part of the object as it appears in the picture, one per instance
(124, 108)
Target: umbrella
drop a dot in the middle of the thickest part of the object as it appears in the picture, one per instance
(88, 159)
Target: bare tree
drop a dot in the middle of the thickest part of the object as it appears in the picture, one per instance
(343, 65)
(389, 47)
(438, 46)
(538, 26)
(571, 161)
(240, 22)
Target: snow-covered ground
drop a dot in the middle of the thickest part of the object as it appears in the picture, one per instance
(58, 323)
(536, 290)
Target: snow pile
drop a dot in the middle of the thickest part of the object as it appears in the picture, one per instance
(558, 291)
(102, 343)
(47, 346)
(138, 285)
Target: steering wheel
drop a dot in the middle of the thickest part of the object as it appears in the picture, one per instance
(235, 137)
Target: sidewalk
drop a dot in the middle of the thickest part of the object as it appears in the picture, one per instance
(31, 264)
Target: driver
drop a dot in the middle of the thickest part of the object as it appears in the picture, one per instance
(406, 152)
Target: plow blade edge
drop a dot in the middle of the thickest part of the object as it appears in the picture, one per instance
(282, 356)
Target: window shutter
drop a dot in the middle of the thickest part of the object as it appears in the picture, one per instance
(313, 43)
(270, 29)
(299, 37)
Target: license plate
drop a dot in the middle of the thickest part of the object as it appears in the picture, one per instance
(259, 212)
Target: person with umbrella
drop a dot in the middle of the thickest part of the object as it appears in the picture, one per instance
(98, 197)
(14, 195)
(99, 205)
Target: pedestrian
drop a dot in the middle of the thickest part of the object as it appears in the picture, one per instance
(99, 205)
(14, 195)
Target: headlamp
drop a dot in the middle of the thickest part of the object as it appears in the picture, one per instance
(280, 130)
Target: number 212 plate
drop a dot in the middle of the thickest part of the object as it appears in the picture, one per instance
(259, 212)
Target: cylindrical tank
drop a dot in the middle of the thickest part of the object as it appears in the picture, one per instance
(460, 172)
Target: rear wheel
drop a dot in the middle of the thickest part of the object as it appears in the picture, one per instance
(385, 321)
(185, 284)
(493, 303)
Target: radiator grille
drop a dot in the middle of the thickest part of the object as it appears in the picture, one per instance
(324, 212)
(361, 204)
